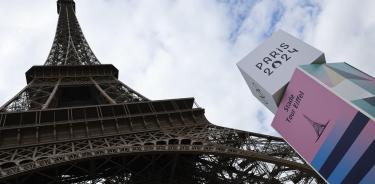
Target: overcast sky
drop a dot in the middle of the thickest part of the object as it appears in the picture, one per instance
(187, 48)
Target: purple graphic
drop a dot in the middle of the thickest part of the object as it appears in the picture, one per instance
(305, 96)
(340, 144)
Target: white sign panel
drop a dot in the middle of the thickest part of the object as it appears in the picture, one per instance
(268, 69)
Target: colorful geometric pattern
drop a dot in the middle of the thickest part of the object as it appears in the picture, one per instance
(348, 83)
(329, 131)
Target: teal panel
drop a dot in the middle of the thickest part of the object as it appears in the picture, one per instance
(365, 106)
(349, 71)
(367, 85)
(318, 71)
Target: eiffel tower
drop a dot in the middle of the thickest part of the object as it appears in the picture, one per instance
(318, 127)
(75, 122)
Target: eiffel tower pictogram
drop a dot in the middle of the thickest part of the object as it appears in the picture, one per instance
(318, 127)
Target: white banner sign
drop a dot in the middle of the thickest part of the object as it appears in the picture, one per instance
(268, 69)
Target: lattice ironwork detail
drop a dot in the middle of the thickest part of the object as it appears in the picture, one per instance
(37, 142)
(33, 96)
(117, 90)
(69, 46)
(256, 159)
(36, 94)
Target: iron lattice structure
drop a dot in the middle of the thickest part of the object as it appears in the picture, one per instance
(75, 122)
